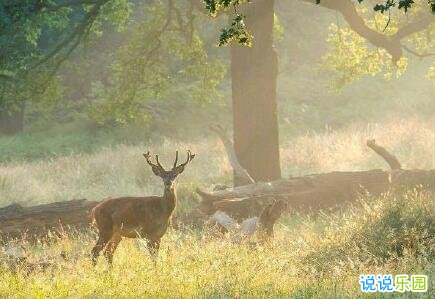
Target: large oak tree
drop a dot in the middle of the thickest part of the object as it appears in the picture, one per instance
(254, 71)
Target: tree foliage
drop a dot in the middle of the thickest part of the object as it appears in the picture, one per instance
(237, 31)
(164, 58)
(162, 50)
(38, 36)
(351, 57)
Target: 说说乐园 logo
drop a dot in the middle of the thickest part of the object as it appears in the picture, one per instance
(371, 283)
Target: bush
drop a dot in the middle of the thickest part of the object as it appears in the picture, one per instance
(374, 233)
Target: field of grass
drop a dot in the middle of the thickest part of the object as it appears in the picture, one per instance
(312, 256)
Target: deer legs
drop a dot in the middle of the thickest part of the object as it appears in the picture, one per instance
(103, 239)
(110, 242)
(111, 247)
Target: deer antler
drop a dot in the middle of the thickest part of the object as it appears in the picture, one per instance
(159, 168)
(176, 160)
(190, 157)
(158, 163)
(148, 159)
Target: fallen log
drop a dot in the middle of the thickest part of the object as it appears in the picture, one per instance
(34, 222)
(317, 191)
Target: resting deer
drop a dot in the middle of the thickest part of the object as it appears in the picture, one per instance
(132, 217)
(267, 220)
(261, 226)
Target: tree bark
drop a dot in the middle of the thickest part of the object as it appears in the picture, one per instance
(314, 191)
(254, 80)
(392, 160)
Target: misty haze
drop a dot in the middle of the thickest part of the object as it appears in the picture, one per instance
(217, 149)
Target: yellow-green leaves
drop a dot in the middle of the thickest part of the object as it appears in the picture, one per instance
(350, 58)
(236, 32)
(163, 59)
(214, 7)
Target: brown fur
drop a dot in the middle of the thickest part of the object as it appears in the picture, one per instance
(133, 217)
(267, 220)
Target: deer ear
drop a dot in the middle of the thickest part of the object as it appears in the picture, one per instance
(179, 169)
(157, 171)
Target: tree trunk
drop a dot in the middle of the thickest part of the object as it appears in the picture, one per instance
(254, 79)
(11, 119)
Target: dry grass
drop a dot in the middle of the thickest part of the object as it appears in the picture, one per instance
(121, 170)
(411, 140)
(111, 172)
(313, 256)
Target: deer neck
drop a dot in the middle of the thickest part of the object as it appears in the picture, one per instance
(169, 199)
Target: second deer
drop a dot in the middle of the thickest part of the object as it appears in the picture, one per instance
(133, 217)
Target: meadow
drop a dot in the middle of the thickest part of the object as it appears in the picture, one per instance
(313, 255)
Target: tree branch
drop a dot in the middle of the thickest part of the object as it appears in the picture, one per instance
(415, 53)
(392, 44)
(232, 157)
(422, 21)
(388, 157)
(77, 33)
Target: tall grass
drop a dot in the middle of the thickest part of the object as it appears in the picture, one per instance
(411, 140)
(121, 170)
(313, 256)
(113, 171)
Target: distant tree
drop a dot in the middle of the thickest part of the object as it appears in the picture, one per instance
(162, 57)
(37, 37)
(160, 50)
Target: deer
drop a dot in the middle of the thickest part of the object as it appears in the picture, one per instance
(261, 226)
(137, 217)
(267, 220)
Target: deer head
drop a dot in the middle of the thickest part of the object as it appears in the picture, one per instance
(271, 213)
(168, 176)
